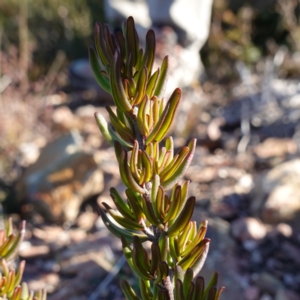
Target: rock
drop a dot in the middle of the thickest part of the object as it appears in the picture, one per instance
(245, 183)
(213, 129)
(277, 194)
(86, 220)
(207, 174)
(30, 151)
(285, 229)
(248, 228)
(64, 119)
(60, 180)
(275, 147)
(49, 282)
(34, 251)
(54, 235)
(55, 99)
(266, 297)
(283, 204)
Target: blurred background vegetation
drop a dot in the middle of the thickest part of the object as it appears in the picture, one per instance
(248, 31)
(40, 38)
(52, 26)
(241, 30)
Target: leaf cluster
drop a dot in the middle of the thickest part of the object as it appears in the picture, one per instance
(158, 208)
(11, 287)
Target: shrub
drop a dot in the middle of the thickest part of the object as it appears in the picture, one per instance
(149, 170)
(11, 287)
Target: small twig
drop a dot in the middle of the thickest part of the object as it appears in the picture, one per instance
(23, 44)
(107, 280)
(169, 287)
(53, 71)
(5, 81)
(245, 76)
(147, 231)
(245, 109)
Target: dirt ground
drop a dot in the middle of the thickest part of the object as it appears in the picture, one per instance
(245, 176)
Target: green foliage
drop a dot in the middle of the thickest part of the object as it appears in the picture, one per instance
(11, 287)
(140, 122)
(53, 25)
(248, 32)
(9, 241)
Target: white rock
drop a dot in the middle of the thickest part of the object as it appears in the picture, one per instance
(276, 195)
(284, 229)
(247, 228)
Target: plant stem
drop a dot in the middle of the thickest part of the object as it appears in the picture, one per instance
(139, 137)
(169, 287)
(167, 281)
(23, 44)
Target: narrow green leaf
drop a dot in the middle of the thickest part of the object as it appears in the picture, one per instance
(188, 278)
(101, 46)
(128, 254)
(147, 166)
(183, 219)
(110, 41)
(122, 130)
(141, 87)
(127, 223)
(103, 126)
(212, 283)
(175, 164)
(212, 293)
(151, 85)
(165, 121)
(197, 239)
(199, 289)
(162, 79)
(155, 259)
(145, 289)
(132, 40)
(196, 258)
(121, 44)
(128, 291)
(116, 83)
(149, 51)
(181, 169)
(123, 208)
(101, 79)
(135, 205)
(118, 231)
(179, 290)
(140, 116)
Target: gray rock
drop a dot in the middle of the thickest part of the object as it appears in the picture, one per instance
(276, 195)
(60, 180)
(247, 228)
